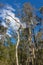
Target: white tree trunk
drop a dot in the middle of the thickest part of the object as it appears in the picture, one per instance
(17, 62)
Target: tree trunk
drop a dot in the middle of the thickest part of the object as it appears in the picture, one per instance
(17, 62)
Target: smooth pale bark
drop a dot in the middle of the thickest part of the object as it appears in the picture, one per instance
(30, 42)
(17, 62)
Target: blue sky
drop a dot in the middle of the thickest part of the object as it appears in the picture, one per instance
(19, 3)
(35, 3)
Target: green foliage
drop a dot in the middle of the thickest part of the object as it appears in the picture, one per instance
(28, 41)
(7, 54)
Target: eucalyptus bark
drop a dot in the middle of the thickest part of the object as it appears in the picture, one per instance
(30, 42)
(17, 61)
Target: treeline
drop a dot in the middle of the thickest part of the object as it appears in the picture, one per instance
(30, 49)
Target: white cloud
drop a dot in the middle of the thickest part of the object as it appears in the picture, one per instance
(3, 23)
(8, 7)
(6, 13)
